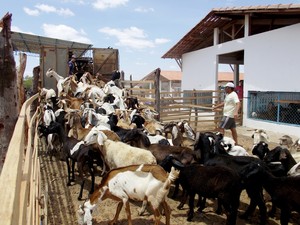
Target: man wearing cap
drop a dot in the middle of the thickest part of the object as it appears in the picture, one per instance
(231, 106)
(72, 65)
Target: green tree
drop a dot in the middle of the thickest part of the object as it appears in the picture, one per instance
(28, 82)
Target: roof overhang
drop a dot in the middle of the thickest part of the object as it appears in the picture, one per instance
(33, 43)
(262, 19)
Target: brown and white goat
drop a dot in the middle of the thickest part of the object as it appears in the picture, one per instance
(177, 136)
(136, 182)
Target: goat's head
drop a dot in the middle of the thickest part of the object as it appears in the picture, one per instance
(138, 120)
(260, 135)
(188, 130)
(286, 140)
(84, 213)
(149, 113)
(260, 149)
(49, 72)
(95, 136)
(277, 154)
(204, 145)
(136, 138)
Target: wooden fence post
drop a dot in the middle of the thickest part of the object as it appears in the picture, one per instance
(157, 91)
(195, 109)
(131, 86)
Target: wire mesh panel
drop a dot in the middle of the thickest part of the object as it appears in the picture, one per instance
(282, 107)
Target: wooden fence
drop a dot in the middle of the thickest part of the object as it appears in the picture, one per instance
(20, 190)
(195, 106)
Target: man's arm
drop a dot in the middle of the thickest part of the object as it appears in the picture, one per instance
(237, 108)
(218, 106)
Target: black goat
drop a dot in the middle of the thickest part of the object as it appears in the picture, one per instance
(132, 103)
(113, 121)
(207, 145)
(85, 155)
(138, 120)
(262, 150)
(282, 155)
(284, 191)
(210, 182)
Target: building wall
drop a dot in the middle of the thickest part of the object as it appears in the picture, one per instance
(271, 63)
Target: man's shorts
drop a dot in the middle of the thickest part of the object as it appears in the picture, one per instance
(227, 123)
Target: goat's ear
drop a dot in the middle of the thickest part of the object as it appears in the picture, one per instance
(103, 136)
(282, 155)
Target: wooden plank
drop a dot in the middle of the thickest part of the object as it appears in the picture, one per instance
(174, 117)
(287, 101)
(27, 169)
(186, 98)
(144, 90)
(138, 82)
(11, 175)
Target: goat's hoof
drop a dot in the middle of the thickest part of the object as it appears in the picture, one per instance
(199, 210)
(140, 213)
(189, 219)
(180, 206)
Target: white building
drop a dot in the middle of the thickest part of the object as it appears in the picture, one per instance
(264, 40)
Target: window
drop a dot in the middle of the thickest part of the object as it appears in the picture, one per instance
(282, 107)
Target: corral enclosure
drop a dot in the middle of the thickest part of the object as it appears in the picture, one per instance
(194, 106)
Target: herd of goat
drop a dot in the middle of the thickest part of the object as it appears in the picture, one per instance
(94, 126)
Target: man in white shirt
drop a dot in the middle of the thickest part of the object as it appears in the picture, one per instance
(231, 106)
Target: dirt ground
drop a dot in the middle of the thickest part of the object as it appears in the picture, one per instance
(63, 203)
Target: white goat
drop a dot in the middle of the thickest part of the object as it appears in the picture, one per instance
(238, 151)
(296, 146)
(137, 182)
(154, 139)
(235, 150)
(286, 141)
(60, 80)
(95, 119)
(111, 88)
(118, 154)
(49, 115)
(260, 135)
(47, 93)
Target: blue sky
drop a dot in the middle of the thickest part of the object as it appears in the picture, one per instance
(142, 30)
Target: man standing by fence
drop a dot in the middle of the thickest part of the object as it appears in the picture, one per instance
(231, 106)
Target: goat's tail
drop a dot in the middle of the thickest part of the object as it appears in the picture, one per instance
(161, 194)
(173, 175)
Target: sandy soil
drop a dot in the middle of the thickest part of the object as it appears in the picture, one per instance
(63, 203)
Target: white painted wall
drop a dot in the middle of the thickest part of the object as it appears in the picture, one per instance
(271, 63)
(199, 70)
